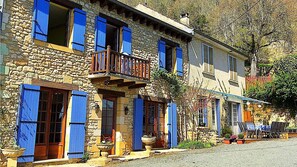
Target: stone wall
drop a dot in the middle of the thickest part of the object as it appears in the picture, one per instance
(26, 59)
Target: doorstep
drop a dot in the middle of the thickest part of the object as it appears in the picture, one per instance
(50, 162)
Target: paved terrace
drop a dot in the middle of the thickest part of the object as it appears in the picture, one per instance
(272, 153)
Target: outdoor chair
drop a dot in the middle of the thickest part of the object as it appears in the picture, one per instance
(250, 129)
(241, 127)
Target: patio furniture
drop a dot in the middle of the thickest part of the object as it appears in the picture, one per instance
(250, 129)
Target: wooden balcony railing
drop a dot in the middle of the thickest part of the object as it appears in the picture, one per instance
(109, 61)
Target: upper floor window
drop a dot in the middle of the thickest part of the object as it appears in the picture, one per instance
(170, 57)
(58, 23)
(207, 54)
(232, 68)
(114, 33)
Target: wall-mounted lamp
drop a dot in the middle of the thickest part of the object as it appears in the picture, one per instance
(259, 105)
(126, 110)
(225, 97)
(97, 107)
(248, 103)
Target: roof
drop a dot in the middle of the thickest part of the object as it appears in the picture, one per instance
(144, 18)
(228, 47)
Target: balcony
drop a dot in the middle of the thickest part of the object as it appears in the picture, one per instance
(114, 68)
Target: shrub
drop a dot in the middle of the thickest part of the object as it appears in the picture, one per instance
(240, 136)
(226, 130)
(227, 136)
(194, 145)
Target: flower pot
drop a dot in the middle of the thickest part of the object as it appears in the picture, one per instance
(148, 141)
(104, 148)
(227, 141)
(240, 141)
(11, 153)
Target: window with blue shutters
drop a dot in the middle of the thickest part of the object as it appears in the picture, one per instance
(53, 23)
(170, 57)
(113, 33)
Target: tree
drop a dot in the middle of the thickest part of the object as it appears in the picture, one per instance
(260, 24)
(282, 91)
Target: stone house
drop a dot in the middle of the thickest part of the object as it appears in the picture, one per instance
(77, 72)
(221, 71)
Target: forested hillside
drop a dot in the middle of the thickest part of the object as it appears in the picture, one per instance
(263, 29)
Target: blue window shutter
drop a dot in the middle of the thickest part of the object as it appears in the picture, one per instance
(218, 113)
(79, 29)
(127, 41)
(239, 112)
(40, 19)
(205, 112)
(172, 125)
(179, 61)
(161, 52)
(100, 33)
(137, 124)
(27, 121)
(77, 124)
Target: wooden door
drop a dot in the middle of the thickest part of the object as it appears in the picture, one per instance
(154, 122)
(108, 130)
(51, 122)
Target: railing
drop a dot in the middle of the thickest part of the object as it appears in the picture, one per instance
(109, 61)
(260, 80)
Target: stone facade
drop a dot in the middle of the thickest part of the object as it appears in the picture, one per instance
(27, 61)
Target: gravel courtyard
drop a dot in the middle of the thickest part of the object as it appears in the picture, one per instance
(275, 153)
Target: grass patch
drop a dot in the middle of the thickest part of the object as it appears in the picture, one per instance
(193, 145)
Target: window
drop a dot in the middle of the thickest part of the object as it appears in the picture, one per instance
(207, 54)
(1, 13)
(59, 22)
(168, 60)
(170, 57)
(202, 113)
(58, 25)
(112, 36)
(233, 68)
(114, 33)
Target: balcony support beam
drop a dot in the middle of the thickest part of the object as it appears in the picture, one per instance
(137, 86)
(126, 84)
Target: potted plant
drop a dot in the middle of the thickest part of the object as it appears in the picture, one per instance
(105, 146)
(240, 139)
(8, 145)
(148, 140)
(233, 138)
(227, 139)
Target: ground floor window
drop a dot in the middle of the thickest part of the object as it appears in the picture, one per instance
(51, 123)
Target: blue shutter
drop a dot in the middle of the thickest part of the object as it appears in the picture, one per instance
(239, 113)
(205, 112)
(77, 124)
(172, 125)
(100, 33)
(205, 115)
(137, 124)
(27, 121)
(40, 19)
(161, 52)
(79, 29)
(127, 41)
(218, 113)
(179, 61)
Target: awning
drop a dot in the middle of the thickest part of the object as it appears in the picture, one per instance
(228, 96)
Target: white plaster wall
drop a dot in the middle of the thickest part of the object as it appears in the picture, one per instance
(221, 73)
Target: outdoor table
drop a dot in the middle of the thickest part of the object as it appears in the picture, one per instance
(262, 129)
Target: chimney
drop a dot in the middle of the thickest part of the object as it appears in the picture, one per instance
(184, 19)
